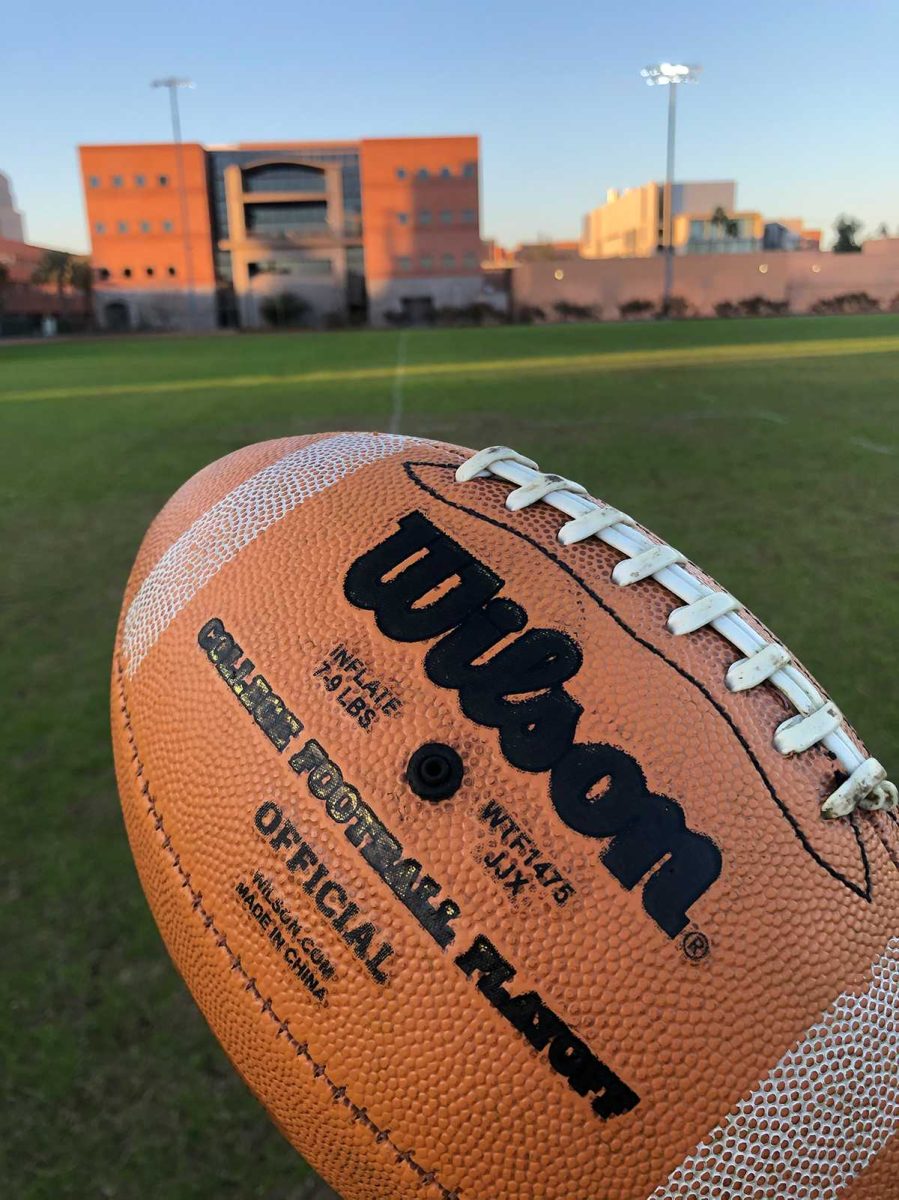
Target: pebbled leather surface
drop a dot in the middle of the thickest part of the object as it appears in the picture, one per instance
(418, 1086)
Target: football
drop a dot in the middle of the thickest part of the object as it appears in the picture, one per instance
(506, 854)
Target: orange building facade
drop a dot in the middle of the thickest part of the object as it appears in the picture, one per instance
(203, 237)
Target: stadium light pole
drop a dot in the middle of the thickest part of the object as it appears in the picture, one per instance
(670, 75)
(172, 83)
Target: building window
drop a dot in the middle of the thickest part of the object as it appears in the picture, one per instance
(126, 271)
(469, 170)
(403, 218)
(94, 181)
(468, 216)
(424, 173)
(116, 181)
(150, 272)
(470, 259)
(446, 217)
(427, 262)
(122, 226)
(424, 217)
(401, 172)
(445, 173)
(163, 181)
(404, 263)
(167, 226)
(171, 271)
(100, 227)
(285, 178)
(145, 226)
(448, 262)
(140, 180)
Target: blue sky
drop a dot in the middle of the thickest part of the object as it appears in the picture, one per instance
(798, 102)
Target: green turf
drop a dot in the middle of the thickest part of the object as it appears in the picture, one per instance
(778, 475)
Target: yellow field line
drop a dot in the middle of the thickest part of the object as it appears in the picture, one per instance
(622, 360)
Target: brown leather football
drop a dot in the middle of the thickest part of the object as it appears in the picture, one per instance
(508, 857)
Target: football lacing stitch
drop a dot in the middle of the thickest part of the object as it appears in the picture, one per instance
(817, 720)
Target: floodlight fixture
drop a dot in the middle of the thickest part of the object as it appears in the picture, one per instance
(661, 74)
(173, 81)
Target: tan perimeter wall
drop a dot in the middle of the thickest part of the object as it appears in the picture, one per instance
(704, 280)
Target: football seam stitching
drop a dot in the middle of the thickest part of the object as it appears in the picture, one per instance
(864, 893)
(319, 1071)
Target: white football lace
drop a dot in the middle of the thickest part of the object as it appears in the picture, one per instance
(817, 720)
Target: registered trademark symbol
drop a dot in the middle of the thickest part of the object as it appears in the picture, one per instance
(695, 945)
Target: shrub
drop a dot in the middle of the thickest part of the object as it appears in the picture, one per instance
(477, 313)
(676, 308)
(336, 320)
(448, 314)
(480, 313)
(894, 304)
(752, 306)
(636, 308)
(527, 314)
(284, 310)
(567, 311)
(845, 303)
(396, 318)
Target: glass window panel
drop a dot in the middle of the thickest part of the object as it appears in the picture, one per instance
(284, 177)
(279, 218)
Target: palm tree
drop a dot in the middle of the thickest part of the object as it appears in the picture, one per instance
(55, 267)
(847, 228)
(729, 226)
(81, 277)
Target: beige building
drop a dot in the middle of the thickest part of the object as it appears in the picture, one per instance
(631, 224)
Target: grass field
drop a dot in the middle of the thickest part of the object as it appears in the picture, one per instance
(767, 451)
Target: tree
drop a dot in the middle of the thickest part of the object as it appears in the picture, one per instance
(55, 267)
(882, 230)
(81, 277)
(729, 226)
(847, 228)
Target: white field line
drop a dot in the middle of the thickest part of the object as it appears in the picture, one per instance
(864, 443)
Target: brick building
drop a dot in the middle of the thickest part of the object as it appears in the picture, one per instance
(202, 236)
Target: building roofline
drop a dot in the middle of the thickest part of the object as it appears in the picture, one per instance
(134, 145)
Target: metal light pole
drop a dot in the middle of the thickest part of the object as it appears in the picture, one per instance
(173, 84)
(669, 75)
